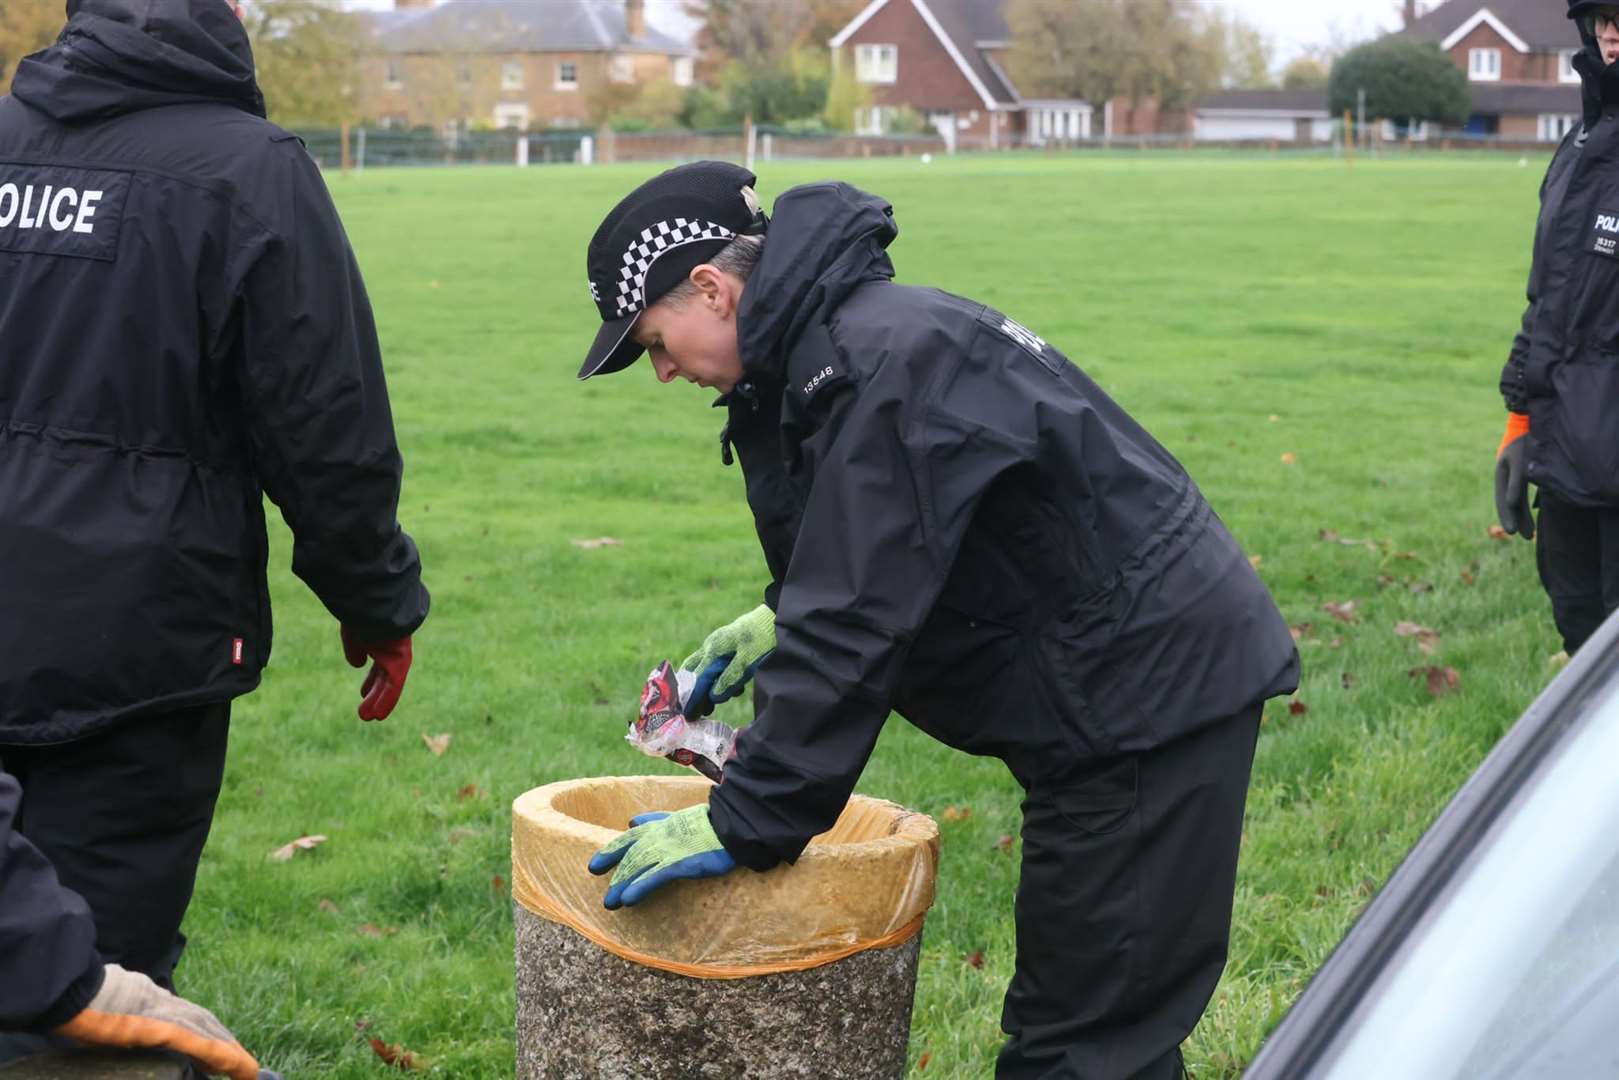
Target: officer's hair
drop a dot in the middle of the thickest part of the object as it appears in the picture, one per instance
(738, 258)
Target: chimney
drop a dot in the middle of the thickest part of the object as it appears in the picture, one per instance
(1410, 12)
(635, 17)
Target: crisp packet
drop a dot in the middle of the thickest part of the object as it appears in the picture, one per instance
(661, 729)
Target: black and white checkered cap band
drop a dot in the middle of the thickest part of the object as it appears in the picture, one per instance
(650, 247)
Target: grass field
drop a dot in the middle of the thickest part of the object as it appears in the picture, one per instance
(1319, 346)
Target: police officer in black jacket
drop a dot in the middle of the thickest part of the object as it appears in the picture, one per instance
(1561, 380)
(183, 329)
(963, 527)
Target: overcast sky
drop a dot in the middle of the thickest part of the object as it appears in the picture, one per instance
(1292, 25)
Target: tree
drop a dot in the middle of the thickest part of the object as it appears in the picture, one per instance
(307, 56)
(26, 26)
(1240, 50)
(1405, 80)
(1304, 73)
(1135, 49)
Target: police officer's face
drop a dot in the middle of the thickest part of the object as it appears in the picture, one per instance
(695, 338)
(1604, 24)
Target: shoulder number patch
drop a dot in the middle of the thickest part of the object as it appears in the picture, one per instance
(1605, 234)
(58, 210)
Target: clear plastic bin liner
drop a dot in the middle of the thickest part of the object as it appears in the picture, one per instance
(865, 883)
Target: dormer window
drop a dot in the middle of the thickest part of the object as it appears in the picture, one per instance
(1484, 65)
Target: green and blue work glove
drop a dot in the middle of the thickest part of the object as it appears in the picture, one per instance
(658, 849)
(728, 659)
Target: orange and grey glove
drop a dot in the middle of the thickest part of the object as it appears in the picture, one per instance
(1512, 478)
(386, 679)
(132, 1011)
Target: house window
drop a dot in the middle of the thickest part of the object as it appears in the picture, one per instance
(393, 78)
(1565, 66)
(621, 69)
(1484, 65)
(463, 73)
(871, 120)
(1553, 126)
(683, 71)
(511, 75)
(565, 122)
(567, 75)
(876, 63)
(511, 116)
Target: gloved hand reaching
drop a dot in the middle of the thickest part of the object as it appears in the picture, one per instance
(1512, 479)
(728, 659)
(130, 1010)
(658, 849)
(386, 679)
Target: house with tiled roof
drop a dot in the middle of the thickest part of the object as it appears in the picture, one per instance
(946, 59)
(1516, 54)
(511, 63)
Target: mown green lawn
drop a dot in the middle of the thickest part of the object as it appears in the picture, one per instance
(1320, 346)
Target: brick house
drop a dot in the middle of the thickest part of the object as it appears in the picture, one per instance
(946, 60)
(1516, 56)
(511, 63)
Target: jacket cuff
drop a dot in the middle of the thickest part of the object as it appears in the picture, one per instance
(76, 999)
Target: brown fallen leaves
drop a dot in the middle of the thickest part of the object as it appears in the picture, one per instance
(1427, 637)
(976, 959)
(1297, 708)
(437, 743)
(922, 1062)
(397, 1056)
(1004, 844)
(328, 907)
(1496, 532)
(1343, 611)
(1440, 680)
(303, 843)
(957, 813)
(1289, 458)
(372, 930)
(598, 542)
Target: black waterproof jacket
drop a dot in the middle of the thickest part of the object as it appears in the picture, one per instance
(183, 328)
(46, 931)
(1563, 369)
(962, 527)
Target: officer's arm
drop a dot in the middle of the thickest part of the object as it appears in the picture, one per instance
(892, 498)
(1513, 388)
(318, 413)
(49, 968)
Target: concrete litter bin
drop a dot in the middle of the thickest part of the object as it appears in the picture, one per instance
(804, 971)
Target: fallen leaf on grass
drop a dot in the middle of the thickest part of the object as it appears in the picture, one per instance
(1557, 660)
(957, 813)
(437, 743)
(497, 885)
(1289, 458)
(976, 959)
(328, 906)
(1440, 680)
(372, 930)
(397, 1056)
(1427, 637)
(1496, 532)
(1343, 612)
(303, 843)
(460, 833)
(598, 542)
(1255, 560)
(1004, 845)
(1274, 418)
(922, 1062)
(1302, 630)
(1297, 708)
(469, 791)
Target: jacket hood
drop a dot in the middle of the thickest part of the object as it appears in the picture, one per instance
(824, 240)
(1599, 82)
(121, 56)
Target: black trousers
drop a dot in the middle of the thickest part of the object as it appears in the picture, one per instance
(123, 816)
(1124, 907)
(1577, 553)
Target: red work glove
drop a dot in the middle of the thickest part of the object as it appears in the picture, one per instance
(1512, 479)
(386, 680)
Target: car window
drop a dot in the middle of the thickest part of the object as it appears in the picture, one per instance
(1514, 971)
